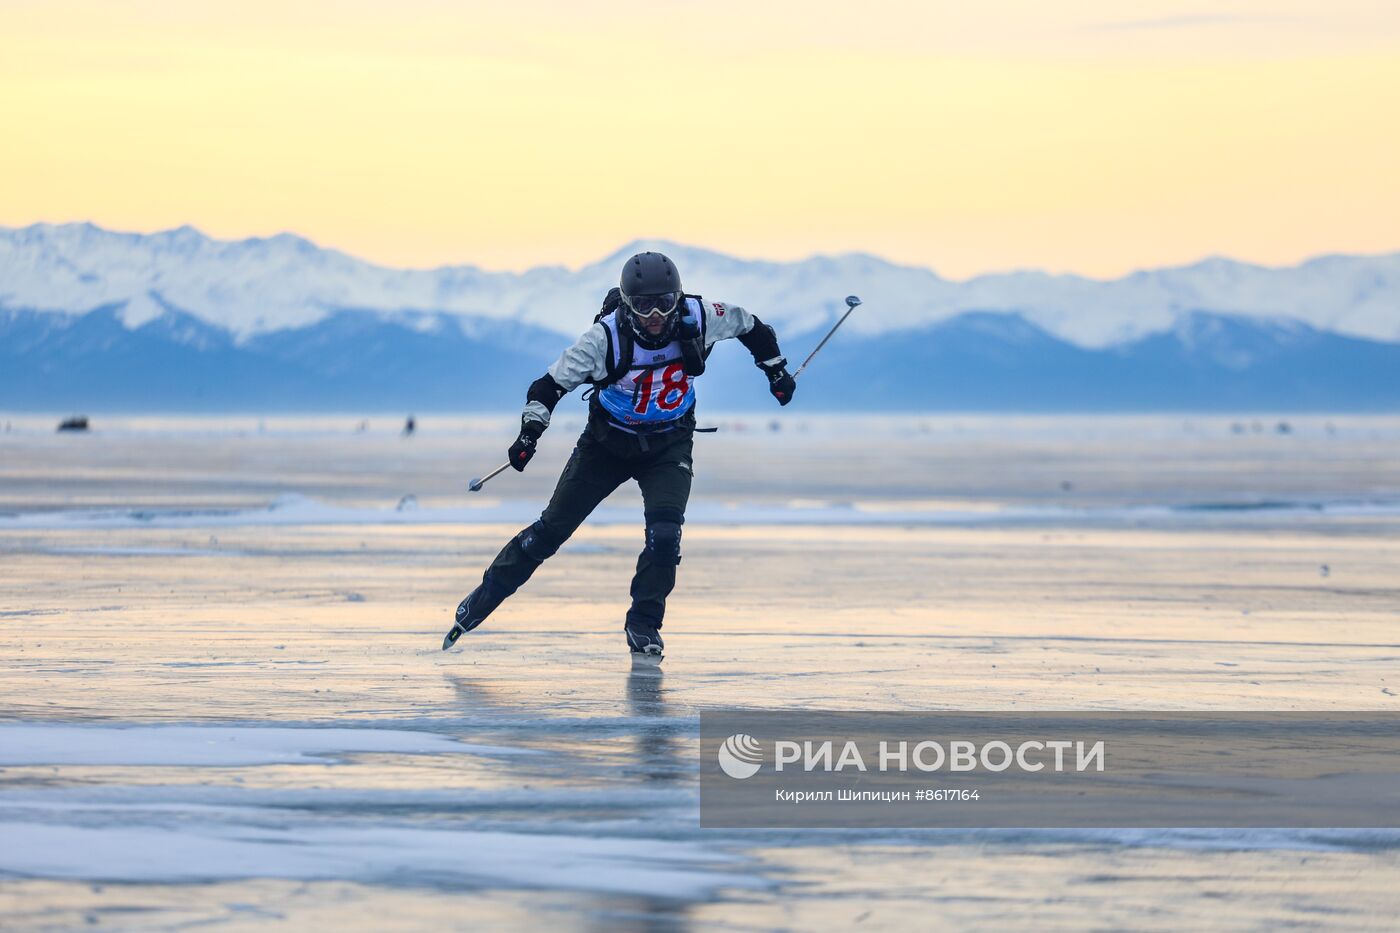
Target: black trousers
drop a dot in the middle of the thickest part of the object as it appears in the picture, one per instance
(661, 465)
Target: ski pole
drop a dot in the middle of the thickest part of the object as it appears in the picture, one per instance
(851, 303)
(476, 484)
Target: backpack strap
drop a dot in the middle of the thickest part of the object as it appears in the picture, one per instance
(693, 346)
(619, 352)
(611, 302)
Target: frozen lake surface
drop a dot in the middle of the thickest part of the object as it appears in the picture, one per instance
(222, 699)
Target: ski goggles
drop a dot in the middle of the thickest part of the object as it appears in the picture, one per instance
(646, 306)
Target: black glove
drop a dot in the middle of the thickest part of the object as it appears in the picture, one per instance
(780, 382)
(524, 447)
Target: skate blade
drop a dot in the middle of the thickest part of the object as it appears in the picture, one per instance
(646, 660)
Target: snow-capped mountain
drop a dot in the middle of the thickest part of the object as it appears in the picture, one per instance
(255, 286)
(93, 320)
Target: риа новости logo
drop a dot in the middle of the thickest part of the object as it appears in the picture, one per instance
(740, 756)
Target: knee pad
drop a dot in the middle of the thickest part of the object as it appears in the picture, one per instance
(539, 542)
(664, 542)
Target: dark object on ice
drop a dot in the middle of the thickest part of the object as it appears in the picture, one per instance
(1066, 486)
(409, 426)
(75, 423)
(1324, 571)
(1283, 427)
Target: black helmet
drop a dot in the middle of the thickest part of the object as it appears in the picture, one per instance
(650, 286)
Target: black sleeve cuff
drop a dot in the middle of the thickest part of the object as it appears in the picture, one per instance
(545, 391)
(761, 341)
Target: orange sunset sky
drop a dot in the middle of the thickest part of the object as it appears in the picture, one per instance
(1090, 136)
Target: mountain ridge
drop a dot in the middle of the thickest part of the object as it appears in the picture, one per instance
(263, 284)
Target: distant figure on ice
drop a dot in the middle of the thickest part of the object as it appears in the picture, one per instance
(642, 355)
(409, 427)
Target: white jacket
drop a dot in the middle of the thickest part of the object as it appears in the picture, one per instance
(587, 359)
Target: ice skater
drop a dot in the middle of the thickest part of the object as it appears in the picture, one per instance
(642, 356)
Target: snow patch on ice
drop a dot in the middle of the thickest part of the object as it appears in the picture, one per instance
(67, 744)
(208, 851)
(297, 510)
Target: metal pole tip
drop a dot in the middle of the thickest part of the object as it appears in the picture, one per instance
(475, 485)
